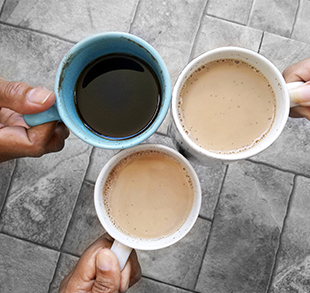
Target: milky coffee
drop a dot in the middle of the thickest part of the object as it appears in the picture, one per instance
(148, 194)
(227, 106)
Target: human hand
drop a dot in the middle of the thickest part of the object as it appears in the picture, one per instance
(18, 139)
(98, 271)
(300, 72)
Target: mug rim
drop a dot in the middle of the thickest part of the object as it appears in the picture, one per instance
(135, 242)
(96, 140)
(225, 156)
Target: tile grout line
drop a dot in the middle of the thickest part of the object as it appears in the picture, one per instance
(271, 277)
(204, 12)
(211, 226)
(168, 284)
(77, 198)
(250, 14)
(277, 168)
(2, 8)
(134, 16)
(30, 241)
(8, 189)
(37, 32)
(295, 19)
(261, 42)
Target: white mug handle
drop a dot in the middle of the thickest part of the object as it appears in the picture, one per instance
(122, 252)
(294, 94)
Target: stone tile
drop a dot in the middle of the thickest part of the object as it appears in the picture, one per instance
(71, 20)
(293, 261)
(169, 26)
(43, 194)
(215, 33)
(1, 4)
(178, 264)
(164, 127)
(25, 267)
(283, 51)
(160, 139)
(98, 159)
(65, 264)
(300, 31)
(29, 56)
(290, 149)
(274, 16)
(84, 227)
(147, 285)
(6, 172)
(211, 178)
(236, 10)
(246, 229)
(295, 280)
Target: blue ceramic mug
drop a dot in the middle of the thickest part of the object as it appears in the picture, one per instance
(78, 57)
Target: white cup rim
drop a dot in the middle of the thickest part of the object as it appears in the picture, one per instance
(242, 154)
(145, 244)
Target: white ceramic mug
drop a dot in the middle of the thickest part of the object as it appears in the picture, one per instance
(203, 156)
(123, 244)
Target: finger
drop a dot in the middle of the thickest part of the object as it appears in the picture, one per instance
(39, 138)
(24, 99)
(125, 277)
(83, 275)
(135, 269)
(17, 141)
(300, 112)
(299, 71)
(131, 273)
(107, 272)
(301, 94)
(57, 141)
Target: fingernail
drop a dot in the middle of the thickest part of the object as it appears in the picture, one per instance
(38, 95)
(104, 261)
(301, 95)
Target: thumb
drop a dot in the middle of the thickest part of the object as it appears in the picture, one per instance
(301, 94)
(107, 272)
(24, 99)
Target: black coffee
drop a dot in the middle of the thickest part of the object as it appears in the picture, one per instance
(117, 96)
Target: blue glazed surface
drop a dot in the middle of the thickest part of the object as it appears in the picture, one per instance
(86, 51)
(70, 68)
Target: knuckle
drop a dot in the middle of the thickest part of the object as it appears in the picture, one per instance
(37, 149)
(16, 89)
(105, 286)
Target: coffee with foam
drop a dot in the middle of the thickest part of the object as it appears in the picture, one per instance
(227, 106)
(148, 195)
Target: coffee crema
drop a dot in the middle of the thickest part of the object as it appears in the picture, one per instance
(148, 195)
(227, 106)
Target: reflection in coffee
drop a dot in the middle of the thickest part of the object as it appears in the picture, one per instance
(227, 106)
(117, 96)
(148, 195)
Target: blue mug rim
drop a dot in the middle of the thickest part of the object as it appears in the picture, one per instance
(98, 141)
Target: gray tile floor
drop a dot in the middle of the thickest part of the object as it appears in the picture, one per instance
(252, 234)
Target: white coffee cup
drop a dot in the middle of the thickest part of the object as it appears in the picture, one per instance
(123, 244)
(199, 155)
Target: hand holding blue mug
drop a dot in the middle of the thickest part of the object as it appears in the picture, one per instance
(81, 57)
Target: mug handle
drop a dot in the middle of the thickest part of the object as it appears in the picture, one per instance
(122, 252)
(293, 92)
(49, 115)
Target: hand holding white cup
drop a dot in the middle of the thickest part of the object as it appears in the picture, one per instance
(146, 197)
(283, 96)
